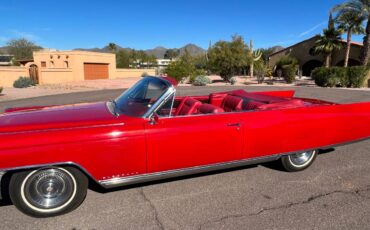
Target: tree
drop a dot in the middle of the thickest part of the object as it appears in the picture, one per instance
(22, 48)
(361, 8)
(172, 53)
(123, 59)
(329, 42)
(228, 58)
(112, 47)
(349, 23)
(184, 67)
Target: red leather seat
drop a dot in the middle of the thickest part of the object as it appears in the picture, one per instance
(231, 103)
(295, 103)
(187, 106)
(207, 108)
(252, 105)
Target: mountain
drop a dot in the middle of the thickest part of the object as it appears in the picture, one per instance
(275, 49)
(158, 51)
(192, 49)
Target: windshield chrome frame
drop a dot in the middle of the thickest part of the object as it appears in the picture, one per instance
(163, 99)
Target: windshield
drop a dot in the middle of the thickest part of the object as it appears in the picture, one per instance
(137, 100)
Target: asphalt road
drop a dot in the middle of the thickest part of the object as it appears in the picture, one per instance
(334, 193)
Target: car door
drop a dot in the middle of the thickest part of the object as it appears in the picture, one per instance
(194, 140)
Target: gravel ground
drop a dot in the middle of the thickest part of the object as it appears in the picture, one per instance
(334, 193)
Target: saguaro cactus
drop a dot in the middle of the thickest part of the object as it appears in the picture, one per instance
(256, 55)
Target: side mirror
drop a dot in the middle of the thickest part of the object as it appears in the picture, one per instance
(154, 119)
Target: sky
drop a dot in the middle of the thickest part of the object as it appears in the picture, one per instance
(146, 24)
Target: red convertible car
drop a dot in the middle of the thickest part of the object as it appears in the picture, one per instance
(49, 155)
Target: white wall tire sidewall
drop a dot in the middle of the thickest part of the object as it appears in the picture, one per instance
(24, 199)
(306, 163)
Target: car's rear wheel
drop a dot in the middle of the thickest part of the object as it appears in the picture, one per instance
(298, 161)
(48, 191)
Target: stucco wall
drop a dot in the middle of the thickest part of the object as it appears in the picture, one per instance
(9, 74)
(54, 76)
(124, 73)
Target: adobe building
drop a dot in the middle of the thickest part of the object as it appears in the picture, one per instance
(308, 60)
(50, 67)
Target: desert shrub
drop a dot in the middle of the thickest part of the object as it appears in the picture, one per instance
(287, 66)
(201, 81)
(261, 71)
(286, 60)
(23, 82)
(289, 72)
(182, 69)
(357, 76)
(233, 81)
(145, 74)
(269, 72)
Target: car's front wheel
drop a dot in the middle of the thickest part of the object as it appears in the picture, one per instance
(48, 191)
(298, 161)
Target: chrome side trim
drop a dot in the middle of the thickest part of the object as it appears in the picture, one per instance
(119, 181)
(63, 129)
(1, 176)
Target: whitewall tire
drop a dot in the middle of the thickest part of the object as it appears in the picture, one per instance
(48, 191)
(298, 161)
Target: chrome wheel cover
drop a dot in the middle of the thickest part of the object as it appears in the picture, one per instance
(301, 159)
(48, 189)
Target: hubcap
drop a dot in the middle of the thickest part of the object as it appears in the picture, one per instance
(49, 188)
(301, 159)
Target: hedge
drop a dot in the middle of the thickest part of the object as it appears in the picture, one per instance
(340, 77)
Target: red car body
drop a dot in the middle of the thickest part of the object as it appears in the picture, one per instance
(118, 150)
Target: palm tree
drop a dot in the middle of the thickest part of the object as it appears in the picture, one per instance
(112, 47)
(361, 8)
(352, 24)
(329, 42)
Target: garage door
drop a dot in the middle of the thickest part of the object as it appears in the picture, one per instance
(96, 71)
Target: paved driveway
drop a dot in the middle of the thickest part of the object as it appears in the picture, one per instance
(334, 193)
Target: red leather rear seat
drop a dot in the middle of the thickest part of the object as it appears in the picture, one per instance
(187, 106)
(231, 103)
(207, 108)
(295, 103)
(252, 105)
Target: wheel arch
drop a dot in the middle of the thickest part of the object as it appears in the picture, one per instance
(5, 174)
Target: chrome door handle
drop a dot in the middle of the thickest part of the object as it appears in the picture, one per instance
(234, 124)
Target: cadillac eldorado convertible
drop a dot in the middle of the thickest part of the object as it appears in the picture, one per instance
(50, 154)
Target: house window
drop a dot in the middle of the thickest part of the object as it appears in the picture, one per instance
(43, 64)
(312, 51)
(66, 64)
(51, 64)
